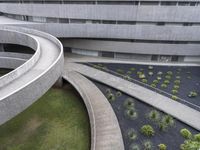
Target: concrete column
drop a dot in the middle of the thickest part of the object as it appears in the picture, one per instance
(59, 82)
(1, 48)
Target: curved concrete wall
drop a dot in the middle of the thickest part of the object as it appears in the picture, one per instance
(11, 63)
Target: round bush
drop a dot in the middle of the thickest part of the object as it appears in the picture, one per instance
(127, 77)
(134, 146)
(148, 145)
(131, 114)
(118, 93)
(168, 120)
(132, 134)
(169, 72)
(110, 97)
(159, 78)
(108, 91)
(129, 103)
(160, 73)
(155, 81)
(186, 133)
(178, 77)
(150, 73)
(147, 130)
(144, 80)
(164, 85)
(174, 97)
(168, 77)
(132, 69)
(176, 87)
(162, 126)
(153, 85)
(197, 137)
(192, 94)
(162, 147)
(177, 82)
(129, 72)
(150, 67)
(166, 82)
(189, 77)
(142, 76)
(154, 115)
(174, 91)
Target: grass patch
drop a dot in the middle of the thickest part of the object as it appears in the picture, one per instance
(57, 121)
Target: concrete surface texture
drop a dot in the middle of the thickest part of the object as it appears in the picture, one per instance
(176, 109)
(105, 130)
(16, 96)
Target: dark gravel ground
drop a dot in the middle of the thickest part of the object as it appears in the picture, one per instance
(186, 85)
(171, 137)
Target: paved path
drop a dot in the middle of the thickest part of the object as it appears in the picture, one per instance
(69, 57)
(105, 130)
(176, 109)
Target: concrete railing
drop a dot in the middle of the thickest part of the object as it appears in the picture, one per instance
(26, 66)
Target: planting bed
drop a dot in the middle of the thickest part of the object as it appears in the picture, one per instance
(176, 82)
(133, 114)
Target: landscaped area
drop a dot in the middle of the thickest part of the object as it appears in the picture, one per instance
(179, 83)
(146, 128)
(57, 121)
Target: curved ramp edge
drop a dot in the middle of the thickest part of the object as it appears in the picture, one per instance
(105, 130)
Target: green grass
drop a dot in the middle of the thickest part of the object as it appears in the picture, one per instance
(57, 121)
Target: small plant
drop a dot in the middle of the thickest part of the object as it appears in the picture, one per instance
(141, 69)
(177, 82)
(132, 69)
(120, 71)
(127, 77)
(147, 130)
(168, 120)
(129, 72)
(189, 77)
(168, 77)
(160, 73)
(178, 77)
(150, 67)
(164, 85)
(148, 145)
(179, 69)
(166, 82)
(142, 76)
(108, 91)
(144, 80)
(159, 78)
(174, 91)
(129, 103)
(139, 72)
(134, 146)
(197, 137)
(192, 94)
(132, 134)
(190, 145)
(155, 81)
(176, 87)
(186, 133)
(174, 97)
(169, 72)
(162, 147)
(131, 114)
(118, 93)
(153, 115)
(188, 72)
(150, 73)
(162, 126)
(110, 96)
(153, 85)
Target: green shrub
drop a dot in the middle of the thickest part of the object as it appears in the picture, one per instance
(190, 145)
(120, 71)
(164, 85)
(155, 81)
(179, 69)
(132, 69)
(168, 77)
(139, 72)
(186, 133)
(118, 93)
(153, 115)
(177, 82)
(174, 97)
(153, 85)
(176, 87)
(189, 77)
(162, 126)
(150, 67)
(148, 145)
(132, 134)
(127, 77)
(168, 120)
(150, 73)
(166, 82)
(129, 72)
(147, 130)
(197, 137)
(131, 114)
(111, 97)
(108, 91)
(144, 80)
(174, 91)
(160, 73)
(142, 76)
(162, 147)
(192, 94)
(134, 146)
(169, 72)
(178, 77)
(129, 103)
(159, 78)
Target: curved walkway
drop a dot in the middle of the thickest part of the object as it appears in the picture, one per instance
(176, 109)
(24, 88)
(105, 130)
